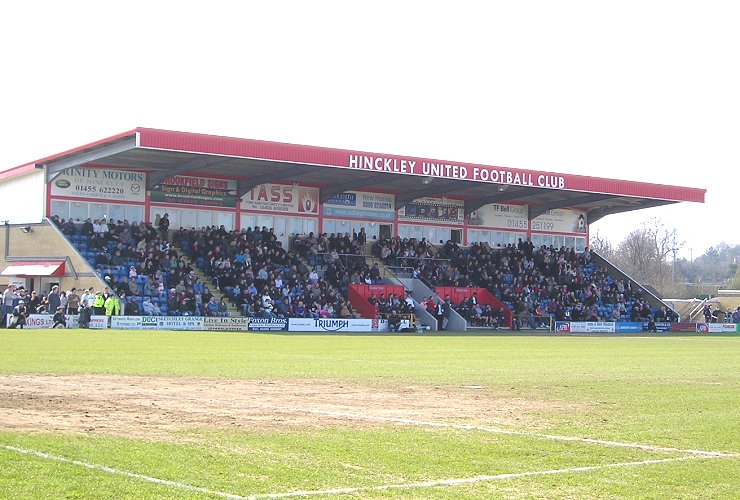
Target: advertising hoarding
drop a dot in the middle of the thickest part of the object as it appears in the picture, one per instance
(101, 184)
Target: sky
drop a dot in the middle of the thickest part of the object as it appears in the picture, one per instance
(640, 90)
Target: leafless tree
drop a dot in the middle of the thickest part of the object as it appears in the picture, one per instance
(602, 246)
(649, 254)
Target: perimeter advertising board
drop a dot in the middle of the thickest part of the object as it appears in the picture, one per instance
(268, 324)
(585, 327)
(226, 324)
(180, 322)
(101, 184)
(608, 327)
(718, 327)
(282, 198)
(203, 191)
(333, 325)
(36, 321)
(98, 323)
(360, 205)
(126, 322)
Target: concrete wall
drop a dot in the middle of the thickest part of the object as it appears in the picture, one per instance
(45, 243)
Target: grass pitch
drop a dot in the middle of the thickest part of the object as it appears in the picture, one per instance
(222, 415)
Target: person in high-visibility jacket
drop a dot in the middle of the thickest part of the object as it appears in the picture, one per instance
(99, 304)
(110, 305)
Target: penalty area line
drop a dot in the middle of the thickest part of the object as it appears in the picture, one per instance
(111, 470)
(472, 480)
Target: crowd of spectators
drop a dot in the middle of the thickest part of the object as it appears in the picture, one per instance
(311, 279)
(142, 268)
(264, 279)
(535, 283)
(18, 303)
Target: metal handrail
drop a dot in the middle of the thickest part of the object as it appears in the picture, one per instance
(698, 308)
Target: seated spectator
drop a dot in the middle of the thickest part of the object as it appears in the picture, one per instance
(211, 308)
(150, 308)
(132, 308)
(69, 228)
(476, 316)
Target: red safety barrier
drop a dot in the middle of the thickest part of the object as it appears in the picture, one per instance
(458, 294)
(359, 293)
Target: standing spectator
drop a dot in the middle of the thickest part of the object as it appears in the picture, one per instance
(34, 302)
(54, 299)
(164, 227)
(9, 298)
(375, 273)
(736, 316)
(63, 299)
(439, 313)
(73, 302)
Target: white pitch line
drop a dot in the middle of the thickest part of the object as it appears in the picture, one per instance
(470, 480)
(420, 423)
(348, 490)
(494, 430)
(111, 470)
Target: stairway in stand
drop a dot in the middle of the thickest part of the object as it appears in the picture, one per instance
(233, 310)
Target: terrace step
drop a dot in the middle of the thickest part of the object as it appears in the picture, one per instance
(232, 310)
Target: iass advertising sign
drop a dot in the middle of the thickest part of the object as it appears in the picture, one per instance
(283, 199)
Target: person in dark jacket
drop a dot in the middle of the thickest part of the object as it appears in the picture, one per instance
(59, 320)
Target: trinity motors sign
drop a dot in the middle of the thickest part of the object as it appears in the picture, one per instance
(479, 173)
